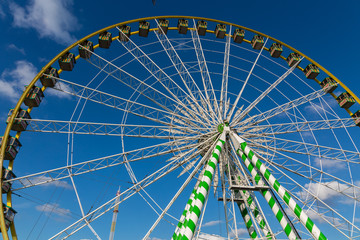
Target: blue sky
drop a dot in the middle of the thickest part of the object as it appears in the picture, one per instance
(33, 32)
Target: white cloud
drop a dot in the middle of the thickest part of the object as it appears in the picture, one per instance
(16, 48)
(59, 183)
(54, 209)
(60, 90)
(211, 223)
(2, 12)
(12, 82)
(50, 18)
(330, 191)
(205, 236)
(331, 164)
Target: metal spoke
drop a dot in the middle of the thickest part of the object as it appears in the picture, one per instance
(109, 129)
(265, 93)
(287, 145)
(283, 128)
(164, 79)
(134, 83)
(205, 75)
(247, 79)
(61, 173)
(95, 214)
(253, 120)
(106, 99)
(225, 77)
(187, 79)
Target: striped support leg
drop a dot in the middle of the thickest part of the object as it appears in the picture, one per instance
(202, 192)
(237, 179)
(248, 223)
(183, 216)
(261, 221)
(251, 160)
(190, 204)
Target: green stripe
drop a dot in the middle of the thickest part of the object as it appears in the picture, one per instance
(288, 229)
(279, 215)
(297, 210)
(208, 174)
(201, 197)
(309, 224)
(249, 224)
(251, 154)
(197, 211)
(212, 164)
(253, 235)
(258, 164)
(243, 146)
(267, 174)
(286, 197)
(322, 236)
(276, 185)
(215, 156)
(218, 148)
(205, 185)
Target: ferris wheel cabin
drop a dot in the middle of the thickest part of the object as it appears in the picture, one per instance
(20, 124)
(345, 100)
(34, 97)
(48, 79)
(201, 27)
(183, 25)
(67, 61)
(9, 214)
(6, 176)
(124, 33)
(86, 49)
(257, 42)
(356, 117)
(163, 25)
(12, 149)
(275, 50)
(220, 31)
(293, 59)
(238, 35)
(328, 84)
(311, 71)
(144, 28)
(105, 39)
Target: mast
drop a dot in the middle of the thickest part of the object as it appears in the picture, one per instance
(114, 218)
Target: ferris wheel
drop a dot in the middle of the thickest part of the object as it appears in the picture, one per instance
(212, 130)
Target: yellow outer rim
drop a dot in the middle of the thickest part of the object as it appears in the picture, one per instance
(32, 83)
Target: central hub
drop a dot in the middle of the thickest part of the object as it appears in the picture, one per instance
(223, 126)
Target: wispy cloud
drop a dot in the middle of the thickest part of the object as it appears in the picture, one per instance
(42, 179)
(330, 164)
(330, 192)
(13, 81)
(211, 223)
(51, 19)
(54, 209)
(2, 12)
(16, 48)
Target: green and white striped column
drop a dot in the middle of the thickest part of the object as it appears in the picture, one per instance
(248, 223)
(245, 195)
(184, 214)
(268, 197)
(252, 162)
(189, 226)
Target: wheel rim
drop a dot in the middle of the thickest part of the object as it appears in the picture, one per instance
(263, 138)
